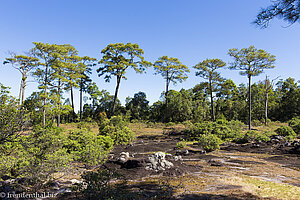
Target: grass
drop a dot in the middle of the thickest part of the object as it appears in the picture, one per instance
(264, 188)
(142, 129)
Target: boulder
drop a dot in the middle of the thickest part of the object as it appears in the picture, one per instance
(123, 157)
(158, 162)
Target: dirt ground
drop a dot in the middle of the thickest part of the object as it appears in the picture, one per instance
(237, 171)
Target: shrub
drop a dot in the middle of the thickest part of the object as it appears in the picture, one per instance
(199, 129)
(169, 124)
(223, 129)
(256, 122)
(42, 154)
(187, 124)
(99, 186)
(181, 145)
(117, 129)
(84, 125)
(256, 136)
(223, 132)
(209, 142)
(150, 124)
(295, 124)
(88, 147)
(222, 121)
(285, 131)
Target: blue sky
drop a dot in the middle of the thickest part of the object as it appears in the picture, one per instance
(191, 30)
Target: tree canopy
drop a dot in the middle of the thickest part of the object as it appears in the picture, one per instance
(288, 10)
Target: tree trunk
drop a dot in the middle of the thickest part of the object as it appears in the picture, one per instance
(167, 93)
(23, 89)
(116, 95)
(167, 98)
(266, 108)
(72, 104)
(58, 115)
(72, 99)
(80, 109)
(212, 102)
(45, 99)
(249, 101)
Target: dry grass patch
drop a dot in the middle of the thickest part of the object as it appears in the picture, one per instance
(264, 188)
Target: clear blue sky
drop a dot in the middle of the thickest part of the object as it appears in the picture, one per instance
(190, 30)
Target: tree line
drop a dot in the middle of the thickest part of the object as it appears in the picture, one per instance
(59, 68)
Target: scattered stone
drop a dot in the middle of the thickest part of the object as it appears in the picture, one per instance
(158, 162)
(182, 152)
(216, 162)
(178, 158)
(202, 152)
(123, 157)
(75, 181)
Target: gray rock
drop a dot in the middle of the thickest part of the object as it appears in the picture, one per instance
(178, 158)
(158, 162)
(123, 157)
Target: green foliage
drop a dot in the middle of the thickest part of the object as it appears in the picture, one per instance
(288, 10)
(225, 130)
(256, 123)
(41, 154)
(255, 136)
(12, 119)
(251, 62)
(86, 125)
(24, 64)
(285, 131)
(295, 124)
(209, 142)
(171, 69)
(181, 144)
(117, 129)
(288, 95)
(207, 70)
(117, 59)
(169, 124)
(187, 124)
(199, 129)
(138, 106)
(88, 147)
(99, 186)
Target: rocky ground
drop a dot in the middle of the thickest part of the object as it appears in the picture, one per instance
(156, 169)
(237, 171)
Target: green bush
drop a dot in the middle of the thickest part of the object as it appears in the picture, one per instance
(84, 125)
(187, 124)
(295, 124)
(285, 131)
(209, 142)
(199, 129)
(117, 129)
(256, 136)
(88, 147)
(222, 121)
(181, 145)
(225, 130)
(169, 124)
(150, 124)
(98, 185)
(256, 122)
(39, 155)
